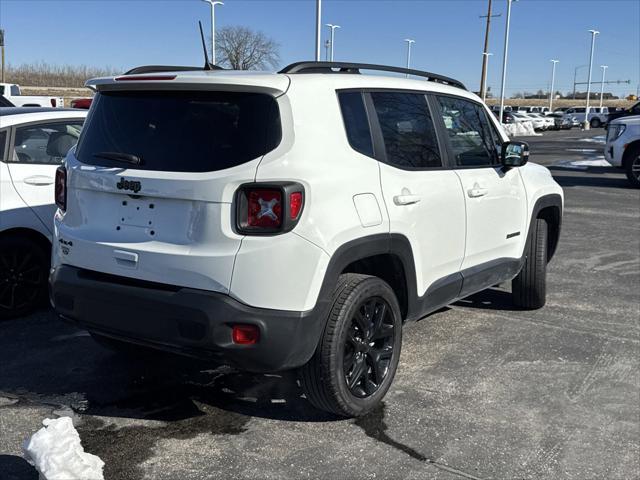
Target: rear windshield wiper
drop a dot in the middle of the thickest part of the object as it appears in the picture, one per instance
(119, 157)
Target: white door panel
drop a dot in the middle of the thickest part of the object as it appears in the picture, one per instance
(428, 208)
(496, 213)
(34, 184)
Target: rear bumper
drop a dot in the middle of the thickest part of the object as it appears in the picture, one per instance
(183, 320)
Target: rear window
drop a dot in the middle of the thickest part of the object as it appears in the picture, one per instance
(179, 131)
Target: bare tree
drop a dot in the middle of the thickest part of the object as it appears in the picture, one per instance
(241, 48)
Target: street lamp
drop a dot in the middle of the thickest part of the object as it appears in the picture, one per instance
(333, 28)
(504, 57)
(213, 28)
(409, 43)
(553, 79)
(586, 110)
(318, 27)
(486, 56)
(604, 69)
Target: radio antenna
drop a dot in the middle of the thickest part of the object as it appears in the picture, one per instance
(207, 64)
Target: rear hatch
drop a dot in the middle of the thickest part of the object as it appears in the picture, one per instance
(152, 180)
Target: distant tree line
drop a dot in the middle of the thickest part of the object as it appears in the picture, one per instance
(42, 74)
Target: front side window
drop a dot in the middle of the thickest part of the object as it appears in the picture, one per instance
(407, 129)
(45, 143)
(3, 139)
(356, 123)
(469, 132)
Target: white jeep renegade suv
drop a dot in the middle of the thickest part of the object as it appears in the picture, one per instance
(293, 220)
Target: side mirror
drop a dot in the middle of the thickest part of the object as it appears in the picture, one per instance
(514, 154)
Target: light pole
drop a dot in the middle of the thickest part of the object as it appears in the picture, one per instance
(409, 43)
(485, 58)
(604, 69)
(333, 28)
(504, 57)
(327, 44)
(553, 80)
(213, 28)
(586, 110)
(318, 28)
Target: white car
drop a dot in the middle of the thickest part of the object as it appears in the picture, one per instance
(293, 220)
(33, 143)
(597, 116)
(623, 147)
(538, 123)
(548, 123)
(12, 92)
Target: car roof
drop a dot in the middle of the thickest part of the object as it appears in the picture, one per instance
(16, 115)
(269, 82)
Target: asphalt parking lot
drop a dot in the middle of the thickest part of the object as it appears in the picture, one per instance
(483, 390)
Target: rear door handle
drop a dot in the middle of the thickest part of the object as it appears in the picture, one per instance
(38, 180)
(476, 192)
(406, 199)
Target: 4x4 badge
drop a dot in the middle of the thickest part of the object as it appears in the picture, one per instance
(129, 185)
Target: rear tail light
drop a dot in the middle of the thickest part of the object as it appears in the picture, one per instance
(60, 189)
(263, 209)
(53, 102)
(245, 334)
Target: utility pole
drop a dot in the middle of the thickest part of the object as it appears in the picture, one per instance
(504, 57)
(575, 74)
(604, 69)
(586, 110)
(553, 79)
(318, 28)
(2, 48)
(327, 44)
(485, 57)
(409, 42)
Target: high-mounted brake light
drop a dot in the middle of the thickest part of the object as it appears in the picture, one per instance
(127, 78)
(267, 209)
(60, 188)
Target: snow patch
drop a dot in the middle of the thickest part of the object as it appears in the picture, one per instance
(582, 164)
(57, 454)
(597, 139)
(520, 129)
(582, 150)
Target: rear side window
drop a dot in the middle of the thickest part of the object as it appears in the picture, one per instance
(355, 122)
(179, 131)
(45, 143)
(407, 129)
(469, 132)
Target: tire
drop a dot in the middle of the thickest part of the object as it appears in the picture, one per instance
(24, 267)
(596, 123)
(632, 165)
(342, 356)
(529, 288)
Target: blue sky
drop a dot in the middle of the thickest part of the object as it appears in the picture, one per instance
(449, 35)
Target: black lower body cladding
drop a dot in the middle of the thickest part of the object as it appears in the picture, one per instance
(183, 320)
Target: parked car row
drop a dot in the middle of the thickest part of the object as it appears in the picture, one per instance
(539, 122)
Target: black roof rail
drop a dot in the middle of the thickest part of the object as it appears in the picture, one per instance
(167, 68)
(348, 67)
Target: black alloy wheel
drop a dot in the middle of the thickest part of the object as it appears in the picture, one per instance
(23, 276)
(368, 347)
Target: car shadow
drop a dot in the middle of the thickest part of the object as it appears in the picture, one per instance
(603, 178)
(490, 299)
(50, 362)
